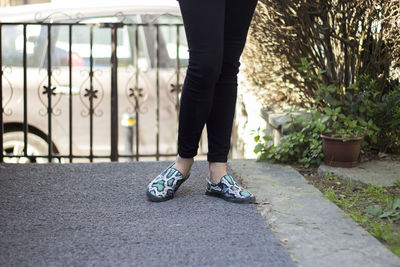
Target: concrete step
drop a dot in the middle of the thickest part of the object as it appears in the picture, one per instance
(376, 172)
(314, 231)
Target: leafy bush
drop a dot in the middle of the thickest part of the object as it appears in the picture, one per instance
(360, 110)
(383, 108)
(304, 145)
(348, 110)
(345, 38)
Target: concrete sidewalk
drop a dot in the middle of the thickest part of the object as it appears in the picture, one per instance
(376, 172)
(97, 214)
(313, 230)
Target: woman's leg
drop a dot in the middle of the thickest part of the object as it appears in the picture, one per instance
(204, 26)
(238, 16)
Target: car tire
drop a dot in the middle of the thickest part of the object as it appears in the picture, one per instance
(13, 143)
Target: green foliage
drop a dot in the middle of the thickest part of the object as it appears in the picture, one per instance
(392, 211)
(382, 232)
(360, 110)
(377, 110)
(383, 108)
(347, 109)
(340, 200)
(338, 112)
(303, 145)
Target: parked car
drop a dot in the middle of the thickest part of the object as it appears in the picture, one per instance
(134, 66)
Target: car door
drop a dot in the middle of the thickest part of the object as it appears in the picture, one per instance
(154, 110)
(91, 121)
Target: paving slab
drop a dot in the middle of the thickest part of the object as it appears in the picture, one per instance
(377, 172)
(97, 214)
(313, 230)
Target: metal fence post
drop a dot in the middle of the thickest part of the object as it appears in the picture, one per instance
(114, 93)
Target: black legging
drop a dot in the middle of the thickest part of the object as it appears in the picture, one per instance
(216, 32)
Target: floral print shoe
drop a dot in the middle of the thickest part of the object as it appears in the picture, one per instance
(229, 190)
(164, 186)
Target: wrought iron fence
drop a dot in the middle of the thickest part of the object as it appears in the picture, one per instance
(91, 92)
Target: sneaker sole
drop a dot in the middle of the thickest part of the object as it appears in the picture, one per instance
(233, 200)
(156, 199)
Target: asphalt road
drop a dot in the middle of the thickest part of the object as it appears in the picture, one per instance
(98, 214)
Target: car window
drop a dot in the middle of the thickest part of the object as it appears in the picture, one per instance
(12, 41)
(101, 44)
(168, 37)
(13, 44)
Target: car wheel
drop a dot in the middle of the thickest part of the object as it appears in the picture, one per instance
(13, 144)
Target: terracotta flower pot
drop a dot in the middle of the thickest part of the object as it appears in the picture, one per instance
(340, 153)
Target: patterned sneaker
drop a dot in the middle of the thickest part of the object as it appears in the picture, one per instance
(165, 184)
(229, 190)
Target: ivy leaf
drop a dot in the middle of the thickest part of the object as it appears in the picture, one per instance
(386, 214)
(332, 88)
(395, 204)
(259, 147)
(304, 61)
(329, 99)
(267, 138)
(349, 96)
(376, 211)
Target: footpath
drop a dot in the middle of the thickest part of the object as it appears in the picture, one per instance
(314, 231)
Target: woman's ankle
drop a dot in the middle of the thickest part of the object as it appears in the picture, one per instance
(183, 164)
(184, 161)
(216, 170)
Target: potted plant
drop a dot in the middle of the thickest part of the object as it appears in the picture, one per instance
(345, 112)
(346, 125)
(341, 141)
(344, 115)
